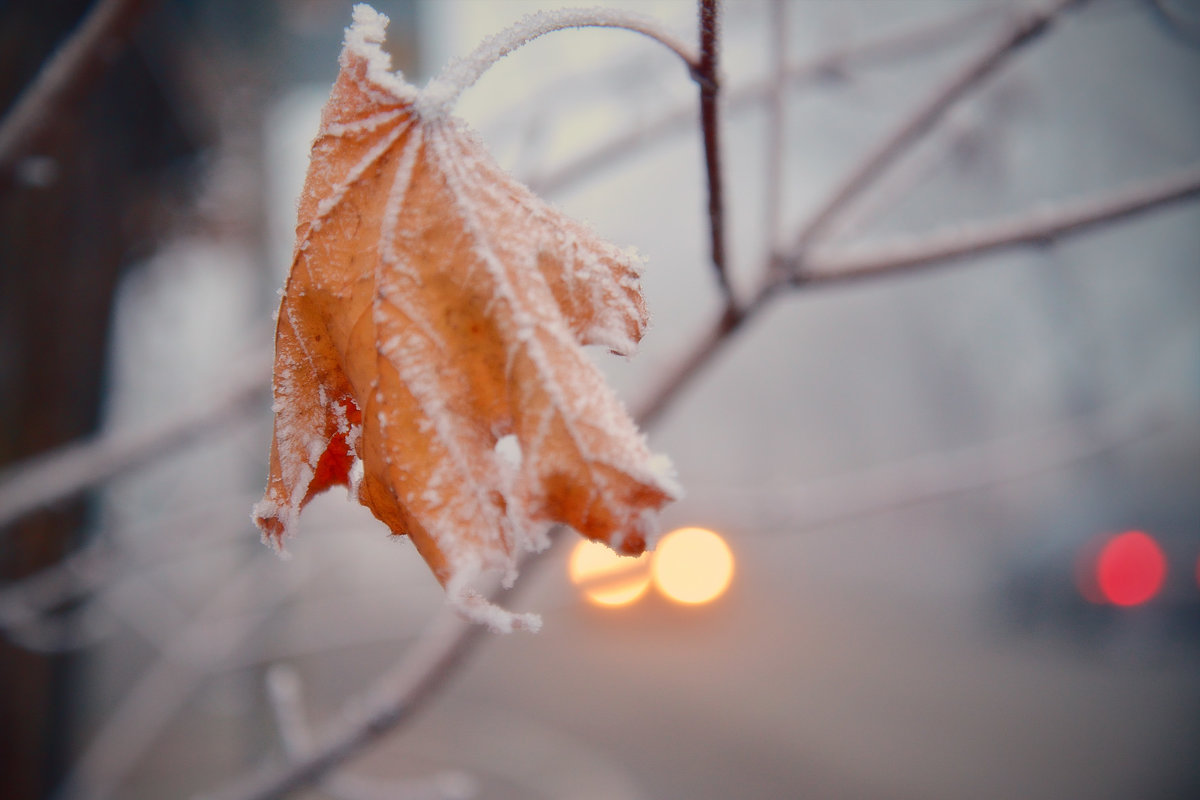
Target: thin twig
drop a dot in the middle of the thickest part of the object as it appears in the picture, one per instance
(163, 687)
(706, 75)
(286, 695)
(881, 49)
(427, 664)
(1039, 227)
(872, 166)
(65, 78)
(942, 474)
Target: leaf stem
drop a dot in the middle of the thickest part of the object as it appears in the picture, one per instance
(441, 94)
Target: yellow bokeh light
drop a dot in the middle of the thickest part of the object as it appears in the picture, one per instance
(692, 566)
(607, 578)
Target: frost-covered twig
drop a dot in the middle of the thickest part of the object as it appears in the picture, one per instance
(443, 91)
(73, 468)
(706, 74)
(880, 49)
(1039, 227)
(427, 664)
(285, 694)
(62, 80)
(872, 166)
(149, 705)
(28, 607)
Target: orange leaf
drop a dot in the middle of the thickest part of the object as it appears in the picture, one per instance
(429, 352)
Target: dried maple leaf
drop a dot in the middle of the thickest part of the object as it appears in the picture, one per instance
(428, 349)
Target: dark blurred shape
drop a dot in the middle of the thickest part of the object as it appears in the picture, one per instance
(1181, 18)
(93, 196)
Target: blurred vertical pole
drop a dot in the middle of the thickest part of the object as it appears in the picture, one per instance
(84, 199)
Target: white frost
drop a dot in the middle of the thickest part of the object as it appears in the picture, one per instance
(509, 450)
(363, 38)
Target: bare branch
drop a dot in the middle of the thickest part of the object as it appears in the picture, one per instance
(1037, 228)
(159, 692)
(1025, 30)
(427, 664)
(64, 79)
(840, 60)
(285, 693)
(73, 468)
(710, 129)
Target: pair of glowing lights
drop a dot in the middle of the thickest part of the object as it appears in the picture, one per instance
(691, 566)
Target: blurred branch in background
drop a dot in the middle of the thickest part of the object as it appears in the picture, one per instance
(63, 81)
(1037, 228)
(65, 472)
(1020, 33)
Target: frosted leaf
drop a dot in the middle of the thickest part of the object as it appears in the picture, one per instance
(429, 347)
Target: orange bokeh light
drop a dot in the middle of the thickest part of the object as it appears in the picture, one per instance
(692, 566)
(608, 579)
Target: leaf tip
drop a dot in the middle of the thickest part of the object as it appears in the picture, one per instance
(363, 39)
(275, 524)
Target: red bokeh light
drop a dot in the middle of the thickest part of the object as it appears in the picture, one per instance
(1131, 568)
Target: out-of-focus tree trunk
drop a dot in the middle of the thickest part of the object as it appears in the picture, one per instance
(87, 198)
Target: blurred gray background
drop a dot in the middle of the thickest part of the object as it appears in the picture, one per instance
(906, 468)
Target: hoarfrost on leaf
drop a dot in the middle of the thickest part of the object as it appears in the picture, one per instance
(429, 347)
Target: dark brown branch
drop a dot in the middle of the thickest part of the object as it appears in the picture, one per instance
(65, 78)
(706, 76)
(1035, 228)
(872, 166)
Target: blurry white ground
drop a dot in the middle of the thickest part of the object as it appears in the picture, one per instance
(848, 659)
